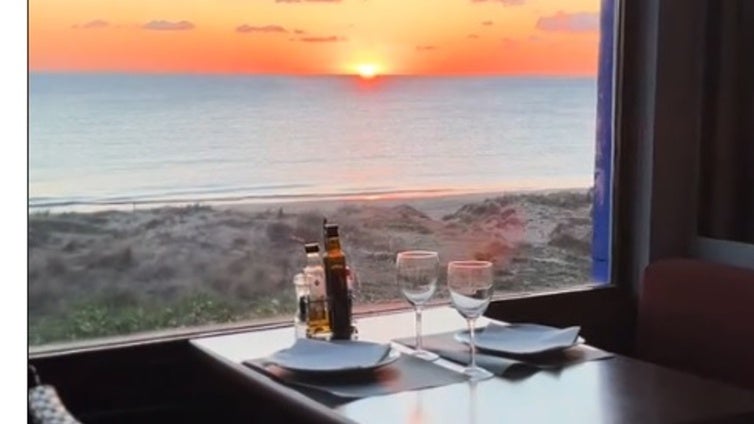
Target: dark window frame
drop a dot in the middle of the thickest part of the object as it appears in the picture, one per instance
(651, 43)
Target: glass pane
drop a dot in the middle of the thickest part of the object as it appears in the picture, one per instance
(181, 153)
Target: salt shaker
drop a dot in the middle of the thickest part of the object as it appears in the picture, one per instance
(301, 287)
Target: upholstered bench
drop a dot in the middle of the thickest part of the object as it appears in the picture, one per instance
(698, 317)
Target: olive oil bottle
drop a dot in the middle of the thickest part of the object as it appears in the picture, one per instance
(338, 293)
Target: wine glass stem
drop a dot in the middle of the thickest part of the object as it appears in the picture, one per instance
(419, 345)
(472, 337)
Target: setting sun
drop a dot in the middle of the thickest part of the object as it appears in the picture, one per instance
(367, 70)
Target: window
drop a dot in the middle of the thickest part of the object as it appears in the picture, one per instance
(180, 154)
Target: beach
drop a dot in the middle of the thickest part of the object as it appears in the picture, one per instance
(113, 272)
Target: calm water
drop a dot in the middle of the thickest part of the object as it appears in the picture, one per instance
(109, 139)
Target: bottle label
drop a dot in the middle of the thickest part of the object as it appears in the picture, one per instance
(317, 317)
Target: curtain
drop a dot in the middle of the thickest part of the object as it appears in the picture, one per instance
(726, 198)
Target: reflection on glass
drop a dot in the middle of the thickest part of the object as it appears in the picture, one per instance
(417, 413)
(472, 403)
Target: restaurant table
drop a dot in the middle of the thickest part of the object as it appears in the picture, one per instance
(614, 390)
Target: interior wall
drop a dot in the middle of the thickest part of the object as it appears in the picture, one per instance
(658, 133)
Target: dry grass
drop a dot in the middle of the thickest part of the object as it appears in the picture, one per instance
(96, 274)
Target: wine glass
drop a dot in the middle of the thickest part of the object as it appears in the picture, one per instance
(416, 273)
(470, 286)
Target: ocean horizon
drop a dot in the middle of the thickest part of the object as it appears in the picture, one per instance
(104, 140)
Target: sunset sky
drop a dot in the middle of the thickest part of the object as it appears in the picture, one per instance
(436, 37)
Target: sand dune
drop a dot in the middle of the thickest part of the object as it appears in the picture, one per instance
(114, 272)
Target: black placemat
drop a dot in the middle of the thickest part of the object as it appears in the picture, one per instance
(445, 345)
(406, 373)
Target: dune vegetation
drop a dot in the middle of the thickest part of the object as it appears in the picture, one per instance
(118, 272)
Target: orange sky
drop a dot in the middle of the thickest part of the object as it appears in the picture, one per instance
(552, 37)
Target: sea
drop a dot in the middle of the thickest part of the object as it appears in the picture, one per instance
(99, 141)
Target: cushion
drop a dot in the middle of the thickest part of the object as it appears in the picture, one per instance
(699, 317)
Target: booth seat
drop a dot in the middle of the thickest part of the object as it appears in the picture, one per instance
(698, 316)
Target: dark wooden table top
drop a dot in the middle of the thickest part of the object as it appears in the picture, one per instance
(615, 390)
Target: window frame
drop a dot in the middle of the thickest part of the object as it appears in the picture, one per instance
(635, 196)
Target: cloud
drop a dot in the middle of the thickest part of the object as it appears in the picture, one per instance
(425, 48)
(473, 36)
(488, 23)
(329, 39)
(510, 42)
(93, 24)
(299, 31)
(160, 25)
(502, 2)
(570, 22)
(269, 29)
(308, 1)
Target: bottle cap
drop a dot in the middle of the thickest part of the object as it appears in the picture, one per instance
(311, 247)
(331, 230)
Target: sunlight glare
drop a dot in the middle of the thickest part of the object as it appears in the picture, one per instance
(367, 70)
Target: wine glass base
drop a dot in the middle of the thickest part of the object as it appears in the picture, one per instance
(477, 374)
(425, 354)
